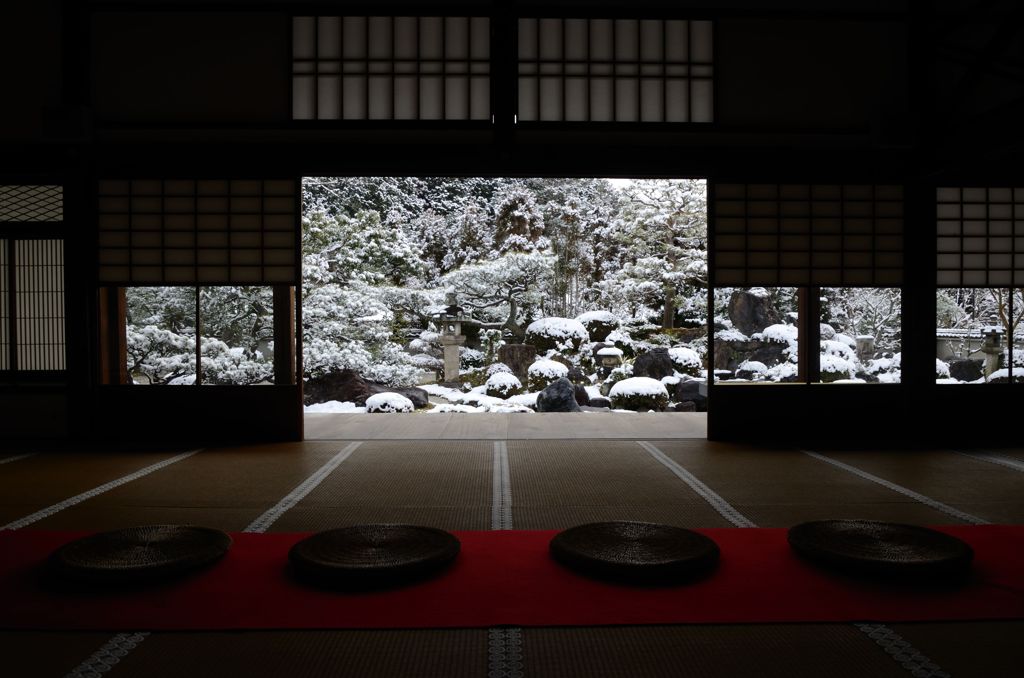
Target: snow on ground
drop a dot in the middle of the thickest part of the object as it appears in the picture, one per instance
(347, 407)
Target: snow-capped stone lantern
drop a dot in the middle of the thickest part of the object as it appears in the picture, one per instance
(449, 322)
(611, 357)
(992, 347)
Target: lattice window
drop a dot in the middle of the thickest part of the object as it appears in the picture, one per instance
(390, 68)
(174, 232)
(31, 203)
(799, 234)
(615, 70)
(980, 237)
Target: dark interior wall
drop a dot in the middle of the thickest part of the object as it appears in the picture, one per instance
(31, 54)
(811, 74)
(802, 87)
(181, 67)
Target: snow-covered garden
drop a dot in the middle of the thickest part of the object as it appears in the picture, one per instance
(569, 293)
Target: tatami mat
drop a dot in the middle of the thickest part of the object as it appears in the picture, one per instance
(981, 488)
(443, 483)
(779, 488)
(560, 483)
(448, 483)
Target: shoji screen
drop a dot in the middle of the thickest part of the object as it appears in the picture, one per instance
(621, 70)
(980, 237)
(800, 234)
(391, 68)
(39, 304)
(171, 232)
(32, 333)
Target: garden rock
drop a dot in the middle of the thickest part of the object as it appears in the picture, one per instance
(348, 386)
(689, 391)
(582, 397)
(518, 357)
(686, 406)
(655, 364)
(965, 369)
(559, 396)
(751, 311)
(600, 403)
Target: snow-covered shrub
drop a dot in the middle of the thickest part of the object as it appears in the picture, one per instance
(846, 339)
(599, 323)
(639, 394)
(496, 368)
(561, 334)
(753, 370)
(783, 372)
(543, 372)
(388, 402)
(941, 369)
(223, 364)
(503, 385)
(827, 331)
(887, 370)
(686, 360)
(834, 368)
(425, 361)
(838, 349)
(621, 372)
(470, 357)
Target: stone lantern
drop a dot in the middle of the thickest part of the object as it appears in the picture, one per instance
(449, 322)
(611, 358)
(992, 347)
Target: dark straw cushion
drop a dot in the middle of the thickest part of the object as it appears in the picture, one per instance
(140, 554)
(878, 548)
(372, 555)
(632, 552)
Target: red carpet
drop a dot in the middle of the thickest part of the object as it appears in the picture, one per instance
(507, 578)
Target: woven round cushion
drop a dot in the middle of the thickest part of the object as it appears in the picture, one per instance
(376, 554)
(641, 553)
(870, 547)
(137, 554)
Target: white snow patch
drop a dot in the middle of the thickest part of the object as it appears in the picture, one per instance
(610, 351)
(335, 406)
(685, 357)
(942, 369)
(642, 386)
(754, 366)
(559, 328)
(780, 334)
(730, 334)
(549, 369)
(524, 399)
(846, 339)
(388, 402)
(598, 316)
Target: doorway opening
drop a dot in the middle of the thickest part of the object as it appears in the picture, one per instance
(479, 295)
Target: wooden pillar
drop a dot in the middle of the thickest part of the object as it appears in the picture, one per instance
(809, 334)
(113, 342)
(284, 334)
